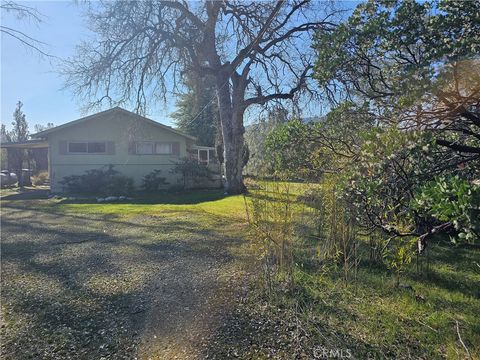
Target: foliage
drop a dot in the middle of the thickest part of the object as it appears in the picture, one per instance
(4, 137)
(452, 199)
(104, 181)
(378, 169)
(256, 136)
(153, 181)
(162, 42)
(310, 150)
(196, 113)
(191, 170)
(19, 133)
(20, 125)
(288, 149)
(413, 62)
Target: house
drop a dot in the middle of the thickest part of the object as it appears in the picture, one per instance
(134, 144)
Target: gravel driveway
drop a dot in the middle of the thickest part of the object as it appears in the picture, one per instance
(100, 286)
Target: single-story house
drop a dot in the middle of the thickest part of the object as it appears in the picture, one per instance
(134, 144)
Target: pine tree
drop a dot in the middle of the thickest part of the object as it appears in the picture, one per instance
(20, 126)
(197, 111)
(19, 133)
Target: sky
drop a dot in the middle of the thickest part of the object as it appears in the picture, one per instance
(35, 80)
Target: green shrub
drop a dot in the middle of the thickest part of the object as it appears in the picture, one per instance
(452, 199)
(192, 170)
(176, 188)
(104, 181)
(153, 181)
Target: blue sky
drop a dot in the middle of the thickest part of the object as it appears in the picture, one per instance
(33, 79)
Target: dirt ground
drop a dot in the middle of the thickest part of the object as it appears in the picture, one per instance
(98, 286)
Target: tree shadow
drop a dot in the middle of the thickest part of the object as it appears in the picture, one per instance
(72, 289)
(167, 198)
(27, 194)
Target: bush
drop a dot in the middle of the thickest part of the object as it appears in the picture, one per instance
(176, 189)
(104, 181)
(118, 185)
(40, 179)
(153, 181)
(191, 169)
(451, 199)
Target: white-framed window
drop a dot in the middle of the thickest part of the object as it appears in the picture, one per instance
(144, 147)
(203, 156)
(206, 155)
(87, 147)
(163, 148)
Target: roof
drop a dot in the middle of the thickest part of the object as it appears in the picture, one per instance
(112, 110)
(28, 144)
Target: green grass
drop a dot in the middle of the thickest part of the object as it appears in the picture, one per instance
(208, 202)
(376, 316)
(370, 315)
(81, 279)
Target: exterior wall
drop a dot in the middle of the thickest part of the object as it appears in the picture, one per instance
(122, 129)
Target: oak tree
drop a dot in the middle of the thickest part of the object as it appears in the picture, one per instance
(256, 52)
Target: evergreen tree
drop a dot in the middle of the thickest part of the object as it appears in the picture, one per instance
(19, 133)
(197, 111)
(20, 126)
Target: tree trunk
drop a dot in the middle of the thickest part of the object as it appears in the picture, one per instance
(231, 119)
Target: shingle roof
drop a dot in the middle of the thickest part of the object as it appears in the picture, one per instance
(115, 109)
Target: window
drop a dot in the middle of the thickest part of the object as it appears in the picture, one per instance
(163, 148)
(144, 148)
(77, 147)
(150, 147)
(203, 156)
(97, 147)
(206, 155)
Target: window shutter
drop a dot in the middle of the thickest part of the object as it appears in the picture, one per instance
(62, 148)
(132, 149)
(176, 148)
(110, 148)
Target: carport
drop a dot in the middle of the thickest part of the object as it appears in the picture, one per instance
(38, 151)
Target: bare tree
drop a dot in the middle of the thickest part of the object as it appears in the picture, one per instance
(23, 12)
(256, 52)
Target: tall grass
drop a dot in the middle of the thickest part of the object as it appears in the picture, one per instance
(288, 225)
(335, 275)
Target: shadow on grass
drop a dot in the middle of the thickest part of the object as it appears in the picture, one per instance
(73, 287)
(26, 193)
(181, 198)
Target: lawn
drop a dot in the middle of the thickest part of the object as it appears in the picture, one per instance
(163, 277)
(83, 280)
(432, 313)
